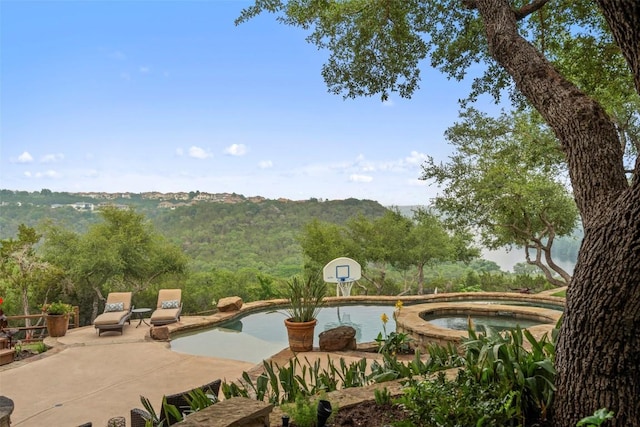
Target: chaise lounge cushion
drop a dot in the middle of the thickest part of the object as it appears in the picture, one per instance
(110, 318)
(164, 315)
(114, 320)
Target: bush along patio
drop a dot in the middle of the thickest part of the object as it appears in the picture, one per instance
(503, 378)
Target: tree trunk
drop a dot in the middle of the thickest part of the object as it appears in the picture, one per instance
(95, 304)
(598, 354)
(623, 17)
(548, 274)
(420, 278)
(24, 294)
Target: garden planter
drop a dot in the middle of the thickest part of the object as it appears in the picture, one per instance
(300, 335)
(57, 324)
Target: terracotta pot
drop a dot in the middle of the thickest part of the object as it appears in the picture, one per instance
(57, 324)
(300, 335)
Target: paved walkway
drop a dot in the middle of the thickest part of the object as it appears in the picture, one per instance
(90, 378)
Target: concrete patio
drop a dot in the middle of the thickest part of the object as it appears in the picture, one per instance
(85, 377)
(89, 378)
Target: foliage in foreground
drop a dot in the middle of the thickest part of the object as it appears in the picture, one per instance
(304, 411)
(197, 399)
(462, 402)
(504, 378)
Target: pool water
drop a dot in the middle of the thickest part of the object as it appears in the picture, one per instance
(497, 322)
(258, 336)
(550, 306)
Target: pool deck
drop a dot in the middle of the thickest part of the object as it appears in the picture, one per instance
(90, 378)
(85, 377)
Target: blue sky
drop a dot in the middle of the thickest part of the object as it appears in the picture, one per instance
(171, 96)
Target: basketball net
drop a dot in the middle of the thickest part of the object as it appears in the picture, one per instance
(344, 288)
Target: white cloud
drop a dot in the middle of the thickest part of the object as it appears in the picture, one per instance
(25, 158)
(52, 158)
(416, 158)
(236, 150)
(198, 153)
(27, 174)
(144, 69)
(179, 151)
(397, 166)
(265, 164)
(360, 178)
(368, 167)
(48, 174)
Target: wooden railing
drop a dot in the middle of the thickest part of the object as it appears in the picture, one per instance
(37, 332)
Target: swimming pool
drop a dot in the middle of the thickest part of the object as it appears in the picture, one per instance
(258, 336)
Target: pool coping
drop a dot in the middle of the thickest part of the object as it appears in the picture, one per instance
(189, 323)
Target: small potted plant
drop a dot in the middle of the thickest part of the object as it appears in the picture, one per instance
(306, 298)
(57, 318)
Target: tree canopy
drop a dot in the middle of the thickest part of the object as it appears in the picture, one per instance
(506, 180)
(392, 240)
(122, 252)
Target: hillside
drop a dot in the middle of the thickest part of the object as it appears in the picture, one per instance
(223, 231)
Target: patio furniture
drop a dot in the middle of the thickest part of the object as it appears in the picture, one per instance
(168, 308)
(138, 313)
(117, 311)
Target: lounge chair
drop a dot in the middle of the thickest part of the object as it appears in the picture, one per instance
(168, 308)
(140, 417)
(117, 311)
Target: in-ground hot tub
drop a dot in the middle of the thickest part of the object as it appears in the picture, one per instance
(447, 322)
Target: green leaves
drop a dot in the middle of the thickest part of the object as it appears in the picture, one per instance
(305, 296)
(504, 358)
(461, 402)
(506, 179)
(597, 419)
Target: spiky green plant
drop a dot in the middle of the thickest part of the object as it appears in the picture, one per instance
(306, 298)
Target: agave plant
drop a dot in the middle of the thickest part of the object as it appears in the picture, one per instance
(306, 298)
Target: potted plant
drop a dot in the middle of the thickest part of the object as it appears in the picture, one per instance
(57, 318)
(305, 299)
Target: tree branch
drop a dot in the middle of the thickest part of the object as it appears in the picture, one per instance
(528, 9)
(538, 263)
(520, 13)
(589, 139)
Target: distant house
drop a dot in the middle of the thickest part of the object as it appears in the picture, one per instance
(82, 206)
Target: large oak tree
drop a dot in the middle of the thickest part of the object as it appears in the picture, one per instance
(376, 47)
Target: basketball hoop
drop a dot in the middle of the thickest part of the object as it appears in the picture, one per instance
(345, 288)
(343, 272)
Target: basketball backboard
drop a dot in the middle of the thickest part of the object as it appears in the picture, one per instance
(342, 270)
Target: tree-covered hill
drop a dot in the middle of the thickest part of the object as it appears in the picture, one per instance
(259, 235)
(239, 233)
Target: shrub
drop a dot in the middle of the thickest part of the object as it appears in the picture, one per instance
(462, 402)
